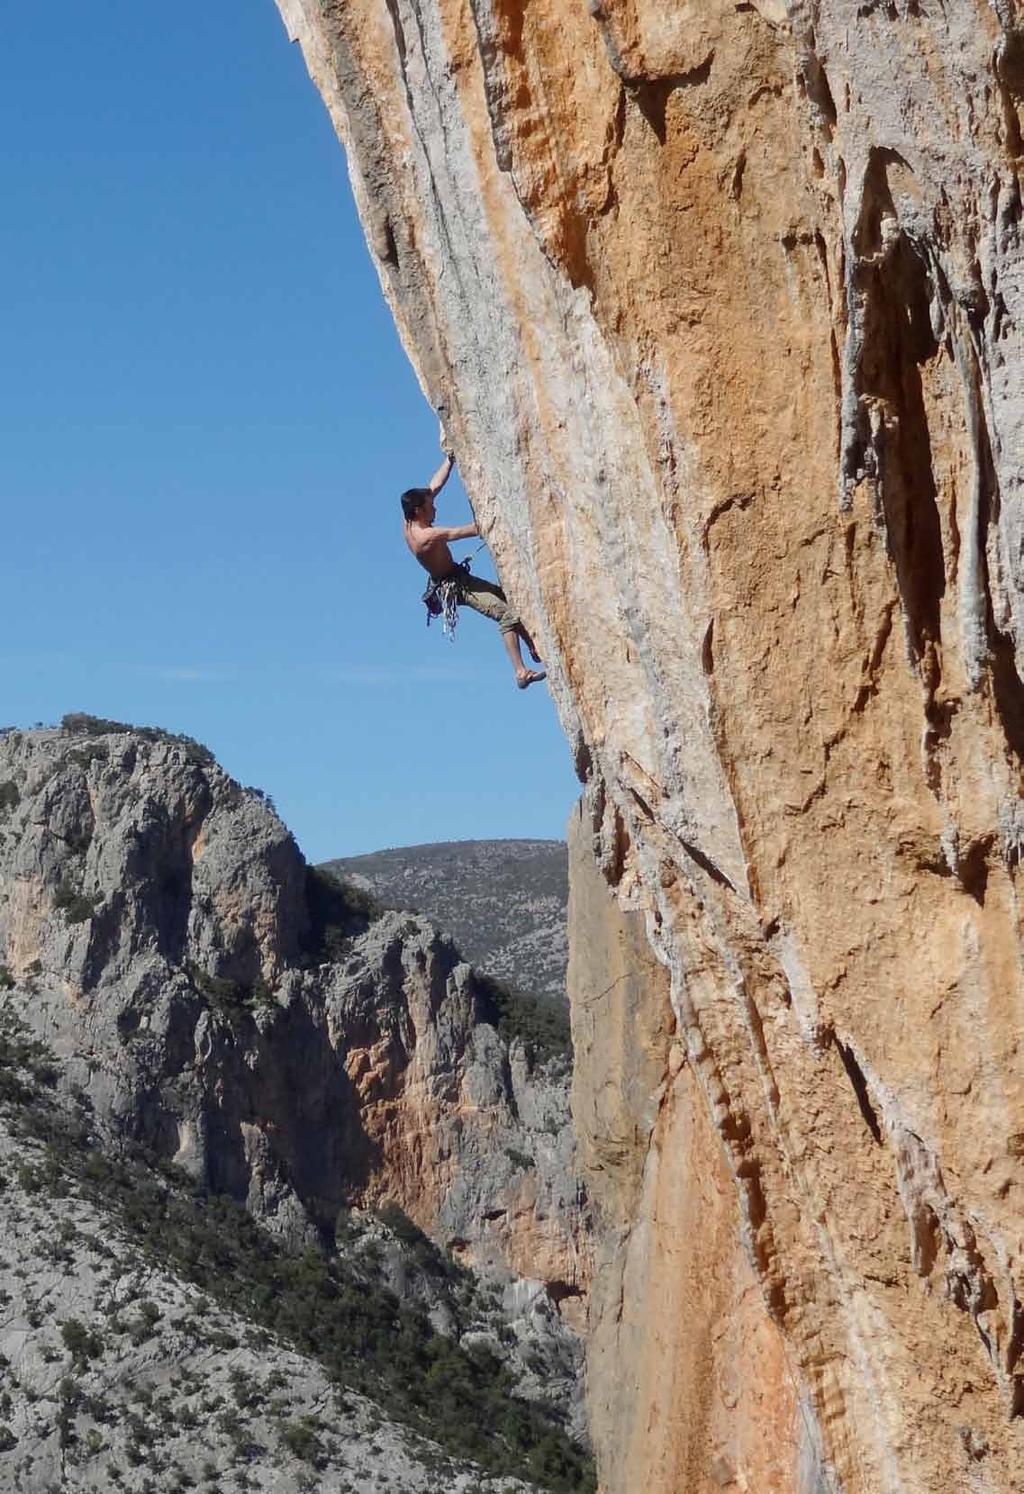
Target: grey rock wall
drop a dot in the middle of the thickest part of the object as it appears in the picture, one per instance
(213, 1001)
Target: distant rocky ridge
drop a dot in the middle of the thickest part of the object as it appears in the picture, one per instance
(212, 1003)
(503, 901)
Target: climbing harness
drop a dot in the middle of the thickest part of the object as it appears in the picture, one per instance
(441, 598)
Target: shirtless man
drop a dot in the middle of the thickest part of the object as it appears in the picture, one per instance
(455, 586)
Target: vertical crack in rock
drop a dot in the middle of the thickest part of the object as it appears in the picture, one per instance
(544, 176)
(815, 86)
(894, 291)
(1007, 687)
(855, 1074)
(427, 116)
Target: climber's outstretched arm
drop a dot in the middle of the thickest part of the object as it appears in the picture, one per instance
(456, 532)
(441, 476)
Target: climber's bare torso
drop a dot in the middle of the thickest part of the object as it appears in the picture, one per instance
(429, 541)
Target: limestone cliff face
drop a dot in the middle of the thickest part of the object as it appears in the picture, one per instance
(709, 1400)
(722, 307)
(214, 1000)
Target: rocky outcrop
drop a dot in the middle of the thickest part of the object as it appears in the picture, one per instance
(502, 901)
(212, 999)
(721, 310)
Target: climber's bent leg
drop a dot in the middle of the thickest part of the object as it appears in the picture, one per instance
(524, 676)
(487, 598)
(524, 635)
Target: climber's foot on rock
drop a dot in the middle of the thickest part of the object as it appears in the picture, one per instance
(527, 677)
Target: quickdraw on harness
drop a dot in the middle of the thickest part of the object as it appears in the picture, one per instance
(441, 598)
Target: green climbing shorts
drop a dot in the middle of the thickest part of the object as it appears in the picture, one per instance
(484, 596)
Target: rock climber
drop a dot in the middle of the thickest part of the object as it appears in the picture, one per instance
(451, 584)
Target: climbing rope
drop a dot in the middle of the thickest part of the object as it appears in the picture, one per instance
(441, 598)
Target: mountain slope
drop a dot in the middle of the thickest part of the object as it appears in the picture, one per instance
(337, 1077)
(131, 1354)
(503, 901)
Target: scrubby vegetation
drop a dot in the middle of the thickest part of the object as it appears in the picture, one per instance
(337, 912)
(231, 999)
(541, 1026)
(519, 1159)
(76, 906)
(80, 723)
(420, 1248)
(400, 1225)
(92, 752)
(82, 1343)
(329, 1307)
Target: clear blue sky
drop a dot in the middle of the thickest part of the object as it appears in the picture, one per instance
(205, 420)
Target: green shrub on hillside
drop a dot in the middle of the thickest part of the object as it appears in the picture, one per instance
(10, 798)
(337, 912)
(80, 723)
(542, 1026)
(231, 999)
(82, 1343)
(218, 990)
(400, 1225)
(92, 752)
(420, 1247)
(301, 1440)
(75, 906)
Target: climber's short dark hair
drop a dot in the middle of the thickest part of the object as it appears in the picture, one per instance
(412, 499)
